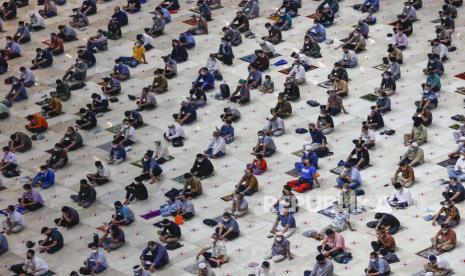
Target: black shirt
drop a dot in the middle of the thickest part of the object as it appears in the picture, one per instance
(87, 194)
(326, 120)
(139, 191)
(390, 220)
(58, 155)
(377, 119)
(203, 168)
(173, 229)
(361, 154)
(241, 20)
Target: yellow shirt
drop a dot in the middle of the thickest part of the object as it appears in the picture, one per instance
(138, 53)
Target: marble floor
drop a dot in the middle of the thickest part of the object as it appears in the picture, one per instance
(253, 242)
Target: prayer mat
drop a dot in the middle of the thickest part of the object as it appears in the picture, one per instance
(158, 224)
(106, 146)
(18, 208)
(227, 198)
(52, 85)
(138, 163)
(326, 84)
(191, 22)
(273, 17)
(46, 42)
(218, 219)
(314, 16)
(293, 173)
(393, 23)
(298, 153)
(461, 76)
(372, 232)
(49, 273)
(280, 62)
(455, 126)
(438, 183)
(287, 70)
(370, 97)
(458, 117)
(116, 129)
(423, 273)
(339, 169)
(102, 228)
(425, 253)
(50, 151)
(447, 162)
(328, 212)
(41, 103)
(196, 9)
(460, 90)
(435, 21)
(182, 180)
(192, 269)
(250, 58)
(151, 215)
(108, 110)
(344, 40)
(381, 67)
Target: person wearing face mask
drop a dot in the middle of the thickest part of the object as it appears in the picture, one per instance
(248, 185)
(43, 59)
(274, 126)
(33, 265)
(404, 175)
(96, 263)
(12, 49)
(228, 228)
(401, 198)
(71, 141)
(373, 122)
(274, 34)
(265, 145)
(69, 217)
(455, 192)
(205, 270)
(280, 250)
(413, 156)
(310, 47)
(135, 190)
(265, 270)
(383, 103)
(216, 147)
(332, 245)
(123, 215)
(282, 109)
(202, 167)
(187, 114)
(385, 242)
(317, 32)
(37, 123)
(444, 240)
(117, 154)
(101, 176)
(150, 169)
(45, 178)
(158, 26)
(58, 158)
(356, 43)
(14, 222)
(116, 239)
(140, 271)
(351, 174)
(127, 135)
(451, 215)
(79, 19)
(347, 199)
(218, 253)
(377, 266)
(77, 72)
(370, 6)
(349, 57)
(86, 195)
(175, 134)
(53, 241)
(361, 158)
(437, 266)
(418, 134)
(284, 224)
(17, 92)
(154, 257)
(409, 11)
(322, 267)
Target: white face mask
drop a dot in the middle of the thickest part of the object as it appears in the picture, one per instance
(344, 190)
(279, 239)
(260, 137)
(94, 251)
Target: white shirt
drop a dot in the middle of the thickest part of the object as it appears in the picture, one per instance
(161, 151)
(303, 59)
(213, 65)
(217, 145)
(340, 220)
(10, 157)
(442, 263)
(148, 40)
(17, 218)
(402, 195)
(38, 20)
(299, 71)
(28, 75)
(460, 164)
(265, 272)
(268, 47)
(368, 136)
(175, 132)
(349, 56)
(441, 50)
(36, 263)
(104, 171)
(129, 133)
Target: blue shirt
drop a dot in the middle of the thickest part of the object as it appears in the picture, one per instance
(122, 69)
(14, 47)
(121, 17)
(373, 3)
(118, 153)
(55, 235)
(24, 31)
(226, 130)
(166, 14)
(99, 258)
(189, 109)
(355, 175)
(287, 220)
(312, 157)
(317, 137)
(159, 254)
(3, 244)
(307, 173)
(207, 79)
(231, 224)
(47, 178)
(46, 55)
(317, 30)
(126, 213)
(286, 18)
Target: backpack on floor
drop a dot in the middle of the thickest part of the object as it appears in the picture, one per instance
(84, 271)
(210, 222)
(218, 75)
(225, 92)
(173, 245)
(76, 86)
(321, 151)
(178, 143)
